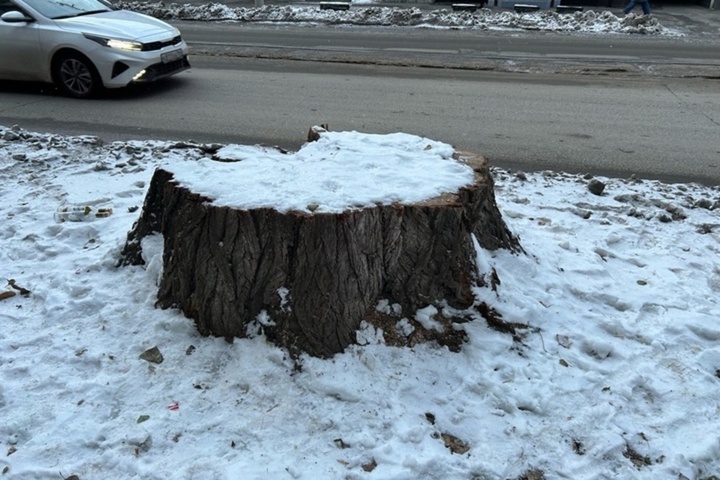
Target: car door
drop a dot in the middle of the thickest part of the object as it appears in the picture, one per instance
(20, 50)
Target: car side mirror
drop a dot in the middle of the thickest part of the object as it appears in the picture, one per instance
(15, 17)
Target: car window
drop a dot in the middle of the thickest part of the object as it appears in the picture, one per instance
(67, 8)
(8, 6)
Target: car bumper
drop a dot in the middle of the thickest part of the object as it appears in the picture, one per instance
(120, 69)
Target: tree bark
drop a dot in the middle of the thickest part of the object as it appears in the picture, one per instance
(308, 280)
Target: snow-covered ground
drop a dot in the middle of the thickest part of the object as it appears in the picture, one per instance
(616, 377)
(364, 13)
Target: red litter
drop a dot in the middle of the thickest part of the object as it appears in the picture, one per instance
(174, 406)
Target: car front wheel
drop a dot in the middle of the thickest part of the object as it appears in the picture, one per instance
(75, 75)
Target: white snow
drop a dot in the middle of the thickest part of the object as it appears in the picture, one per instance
(617, 376)
(424, 317)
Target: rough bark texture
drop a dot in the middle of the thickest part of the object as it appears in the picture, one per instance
(224, 267)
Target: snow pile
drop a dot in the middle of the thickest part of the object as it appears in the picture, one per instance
(603, 360)
(362, 14)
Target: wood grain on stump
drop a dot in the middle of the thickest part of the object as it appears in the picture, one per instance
(309, 278)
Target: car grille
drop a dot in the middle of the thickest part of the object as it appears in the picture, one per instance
(149, 47)
(160, 70)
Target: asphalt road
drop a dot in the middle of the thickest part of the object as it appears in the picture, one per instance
(608, 121)
(471, 49)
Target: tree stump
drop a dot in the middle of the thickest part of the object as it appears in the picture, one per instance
(309, 278)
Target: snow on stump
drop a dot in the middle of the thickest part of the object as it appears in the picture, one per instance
(303, 246)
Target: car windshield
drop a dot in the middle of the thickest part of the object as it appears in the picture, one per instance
(57, 9)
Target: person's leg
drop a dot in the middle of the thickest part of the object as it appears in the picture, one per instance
(646, 7)
(629, 7)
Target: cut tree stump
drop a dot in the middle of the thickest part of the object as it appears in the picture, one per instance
(309, 279)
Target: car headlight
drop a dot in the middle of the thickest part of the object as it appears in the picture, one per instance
(116, 43)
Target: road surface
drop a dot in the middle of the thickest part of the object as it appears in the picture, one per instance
(608, 121)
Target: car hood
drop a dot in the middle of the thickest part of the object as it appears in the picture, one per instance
(121, 24)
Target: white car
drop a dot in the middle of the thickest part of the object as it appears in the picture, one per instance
(83, 46)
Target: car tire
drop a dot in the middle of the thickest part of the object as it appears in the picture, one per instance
(76, 75)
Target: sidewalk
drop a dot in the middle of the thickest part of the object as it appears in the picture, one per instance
(695, 18)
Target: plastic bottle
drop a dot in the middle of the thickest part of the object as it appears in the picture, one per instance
(81, 213)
